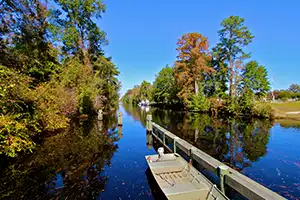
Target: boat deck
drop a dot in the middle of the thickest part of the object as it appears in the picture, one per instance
(180, 181)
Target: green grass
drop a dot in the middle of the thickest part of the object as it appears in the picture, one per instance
(281, 110)
(287, 106)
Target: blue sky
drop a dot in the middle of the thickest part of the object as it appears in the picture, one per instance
(142, 34)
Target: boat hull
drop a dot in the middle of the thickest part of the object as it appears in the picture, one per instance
(179, 180)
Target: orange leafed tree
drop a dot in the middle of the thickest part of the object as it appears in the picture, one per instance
(192, 64)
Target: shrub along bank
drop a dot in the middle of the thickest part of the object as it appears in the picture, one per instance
(52, 69)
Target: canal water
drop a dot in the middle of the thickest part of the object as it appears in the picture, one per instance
(99, 160)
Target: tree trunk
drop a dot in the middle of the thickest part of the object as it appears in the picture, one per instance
(231, 143)
(196, 134)
(196, 87)
(273, 97)
(230, 76)
(84, 55)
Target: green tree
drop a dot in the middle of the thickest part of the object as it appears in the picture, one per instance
(145, 90)
(294, 88)
(216, 83)
(127, 97)
(24, 41)
(133, 96)
(234, 35)
(286, 94)
(136, 94)
(164, 88)
(255, 78)
(80, 34)
(246, 101)
(105, 73)
(198, 102)
(83, 39)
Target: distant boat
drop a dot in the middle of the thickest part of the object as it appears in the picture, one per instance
(145, 108)
(144, 103)
(179, 180)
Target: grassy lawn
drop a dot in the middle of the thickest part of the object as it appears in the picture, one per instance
(281, 110)
(287, 106)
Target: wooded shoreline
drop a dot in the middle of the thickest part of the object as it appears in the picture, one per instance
(221, 79)
(52, 69)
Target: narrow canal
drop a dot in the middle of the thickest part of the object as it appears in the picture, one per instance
(98, 160)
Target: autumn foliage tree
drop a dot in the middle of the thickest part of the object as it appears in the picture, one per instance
(192, 64)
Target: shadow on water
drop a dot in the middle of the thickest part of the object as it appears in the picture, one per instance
(155, 189)
(68, 165)
(260, 149)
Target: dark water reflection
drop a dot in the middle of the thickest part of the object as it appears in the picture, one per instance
(69, 165)
(237, 143)
(261, 149)
(98, 160)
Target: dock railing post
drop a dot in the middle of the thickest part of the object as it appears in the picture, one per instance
(149, 123)
(120, 119)
(191, 150)
(149, 140)
(175, 140)
(222, 172)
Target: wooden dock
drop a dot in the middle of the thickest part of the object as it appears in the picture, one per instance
(228, 176)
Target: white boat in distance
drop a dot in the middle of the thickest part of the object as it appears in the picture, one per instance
(179, 180)
(144, 103)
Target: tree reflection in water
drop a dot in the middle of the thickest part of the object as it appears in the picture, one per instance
(68, 165)
(236, 142)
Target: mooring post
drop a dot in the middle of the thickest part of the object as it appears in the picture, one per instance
(223, 170)
(100, 114)
(175, 139)
(149, 123)
(191, 151)
(149, 140)
(120, 132)
(120, 119)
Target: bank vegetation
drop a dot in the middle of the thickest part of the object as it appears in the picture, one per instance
(52, 69)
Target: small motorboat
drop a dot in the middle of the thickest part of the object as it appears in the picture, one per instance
(179, 180)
